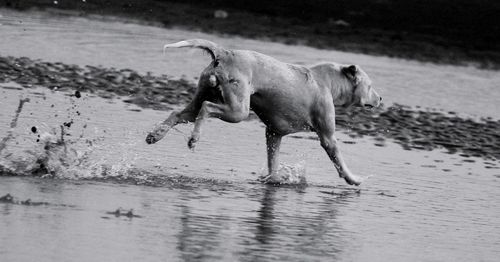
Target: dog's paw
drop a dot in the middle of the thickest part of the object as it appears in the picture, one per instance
(273, 179)
(151, 139)
(192, 143)
(352, 180)
(154, 137)
(158, 132)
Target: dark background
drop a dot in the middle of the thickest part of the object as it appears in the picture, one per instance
(441, 31)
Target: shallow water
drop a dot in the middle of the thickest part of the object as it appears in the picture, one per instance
(207, 204)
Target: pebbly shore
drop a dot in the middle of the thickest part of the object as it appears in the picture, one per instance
(412, 128)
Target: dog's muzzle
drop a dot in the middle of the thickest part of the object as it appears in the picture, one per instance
(373, 105)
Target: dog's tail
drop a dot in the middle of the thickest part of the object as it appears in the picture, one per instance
(210, 47)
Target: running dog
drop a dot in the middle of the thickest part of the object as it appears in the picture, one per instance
(288, 98)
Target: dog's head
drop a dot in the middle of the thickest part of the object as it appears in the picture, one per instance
(363, 93)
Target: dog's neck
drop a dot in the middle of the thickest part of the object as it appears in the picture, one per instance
(342, 91)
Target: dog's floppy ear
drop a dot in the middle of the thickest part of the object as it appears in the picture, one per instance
(350, 71)
(210, 47)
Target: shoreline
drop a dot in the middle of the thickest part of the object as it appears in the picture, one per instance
(377, 42)
(410, 128)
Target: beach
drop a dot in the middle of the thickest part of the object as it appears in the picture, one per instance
(97, 191)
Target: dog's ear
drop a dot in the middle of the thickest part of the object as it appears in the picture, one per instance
(210, 47)
(350, 71)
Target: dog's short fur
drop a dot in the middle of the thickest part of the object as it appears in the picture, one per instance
(287, 98)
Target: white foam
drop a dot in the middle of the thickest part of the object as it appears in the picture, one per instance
(287, 174)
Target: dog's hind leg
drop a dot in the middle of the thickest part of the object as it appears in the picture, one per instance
(222, 111)
(188, 114)
(234, 108)
(273, 142)
(161, 129)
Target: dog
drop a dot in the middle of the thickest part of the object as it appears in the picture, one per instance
(288, 98)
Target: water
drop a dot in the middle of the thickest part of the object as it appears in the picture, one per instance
(208, 205)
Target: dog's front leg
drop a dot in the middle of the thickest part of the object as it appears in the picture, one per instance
(330, 144)
(325, 128)
(273, 142)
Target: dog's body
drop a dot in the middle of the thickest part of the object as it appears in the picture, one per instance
(287, 98)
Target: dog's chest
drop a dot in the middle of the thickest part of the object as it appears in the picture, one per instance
(280, 116)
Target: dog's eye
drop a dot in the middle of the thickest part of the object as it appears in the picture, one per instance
(216, 62)
(233, 81)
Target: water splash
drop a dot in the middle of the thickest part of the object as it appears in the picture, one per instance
(57, 151)
(56, 154)
(286, 175)
(51, 156)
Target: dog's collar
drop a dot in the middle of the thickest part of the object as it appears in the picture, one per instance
(354, 87)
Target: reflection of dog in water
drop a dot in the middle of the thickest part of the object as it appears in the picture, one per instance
(288, 98)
